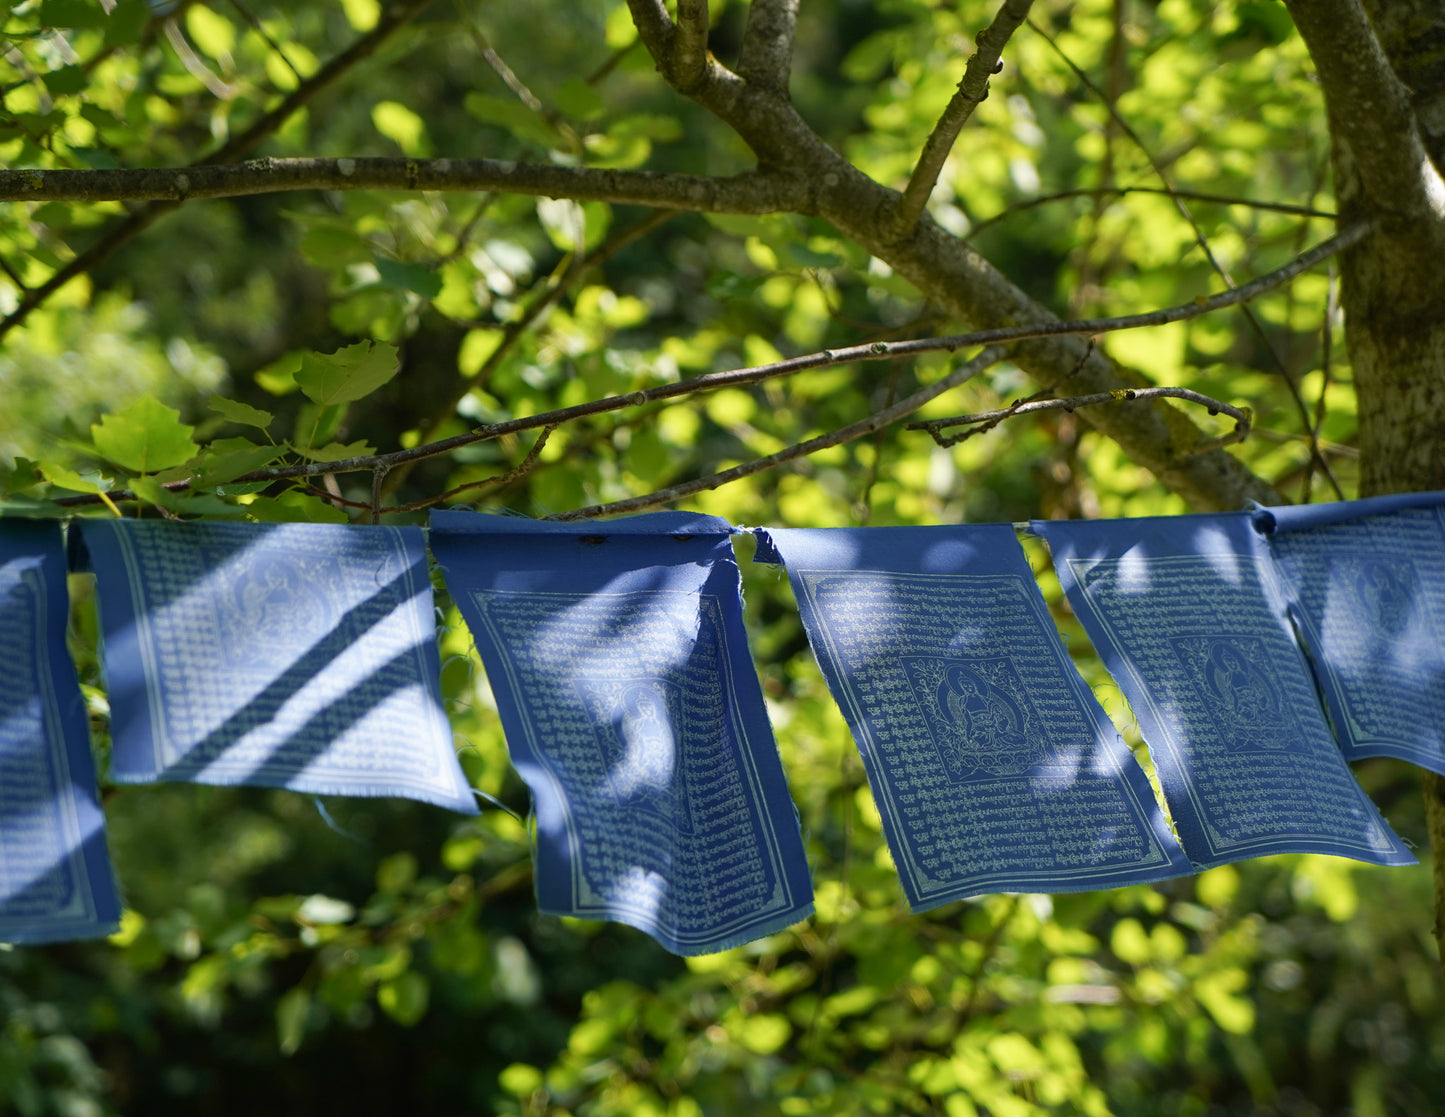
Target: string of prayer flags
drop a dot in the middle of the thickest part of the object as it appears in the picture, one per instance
(1187, 616)
(620, 668)
(992, 766)
(1365, 580)
(291, 655)
(55, 875)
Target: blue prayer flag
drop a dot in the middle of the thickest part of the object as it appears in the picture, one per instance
(296, 655)
(55, 876)
(620, 667)
(1186, 613)
(992, 766)
(1366, 586)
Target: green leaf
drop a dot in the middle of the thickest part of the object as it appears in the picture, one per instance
(404, 998)
(338, 451)
(126, 22)
(291, 1012)
(512, 115)
(72, 13)
(183, 502)
(22, 475)
(293, 507)
(147, 436)
(279, 377)
(578, 100)
(92, 481)
(65, 81)
(408, 277)
(229, 458)
(348, 374)
(241, 413)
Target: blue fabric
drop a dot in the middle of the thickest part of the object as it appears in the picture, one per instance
(1187, 615)
(285, 655)
(1365, 581)
(620, 668)
(55, 876)
(992, 766)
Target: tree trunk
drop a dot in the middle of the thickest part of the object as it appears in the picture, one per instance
(1382, 69)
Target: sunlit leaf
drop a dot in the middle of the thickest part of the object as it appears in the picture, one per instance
(348, 374)
(146, 437)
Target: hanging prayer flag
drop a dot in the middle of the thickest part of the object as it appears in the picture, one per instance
(283, 655)
(1187, 616)
(55, 877)
(620, 667)
(1365, 581)
(992, 766)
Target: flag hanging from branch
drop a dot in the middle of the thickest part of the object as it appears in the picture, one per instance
(1366, 586)
(992, 766)
(1187, 615)
(285, 655)
(55, 876)
(621, 671)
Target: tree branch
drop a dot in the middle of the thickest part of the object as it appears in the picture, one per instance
(873, 351)
(765, 58)
(850, 433)
(747, 193)
(972, 90)
(1369, 109)
(987, 420)
(1412, 35)
(654, 28)
(689, 45)
(121, 233)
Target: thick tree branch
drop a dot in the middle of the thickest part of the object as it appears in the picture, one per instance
(122, 232)
(1369, 109)
(972, 90)
(765, 58)
(654, 28)
(1412, 34)
(747, 193)
(689, 45)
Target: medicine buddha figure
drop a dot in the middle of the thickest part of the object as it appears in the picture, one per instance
(989, 720)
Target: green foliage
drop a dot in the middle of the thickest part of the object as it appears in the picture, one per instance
(269, 961)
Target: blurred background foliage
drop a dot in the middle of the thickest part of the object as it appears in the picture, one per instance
(366, 956)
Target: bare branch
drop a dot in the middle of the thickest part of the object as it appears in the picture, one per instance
(765, 58)
(689, 45)
(654, 28)
(987, 420)
(850, 433)
(498, 480)
(121, 233)
(972, 90)
(746, 193)
(1112, 191)
(874, 351)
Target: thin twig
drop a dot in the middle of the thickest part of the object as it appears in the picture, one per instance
(972, 90)
(557, 286)
(265, 36)
(873, 351)
(860, 429)
(1291, 385)
(987, 420)
(522, 469)
(1107, 191)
